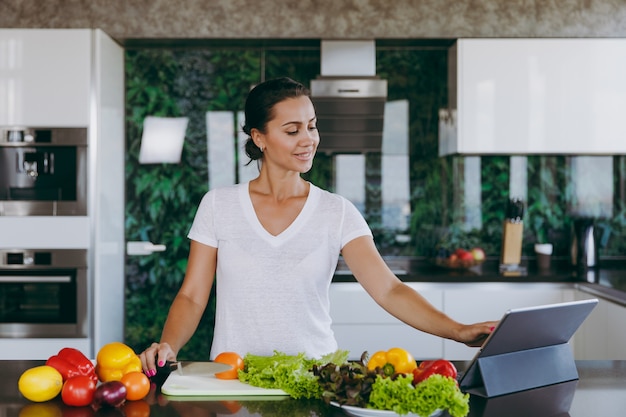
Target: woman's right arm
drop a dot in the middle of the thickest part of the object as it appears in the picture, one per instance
(186, 309)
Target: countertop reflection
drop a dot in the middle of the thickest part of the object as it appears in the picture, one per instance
(600, 390)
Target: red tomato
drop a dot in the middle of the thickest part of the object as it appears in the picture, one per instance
(78, 391)
(230, 358)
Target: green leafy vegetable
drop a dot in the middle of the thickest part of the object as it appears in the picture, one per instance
(291, 373)
(436, 392)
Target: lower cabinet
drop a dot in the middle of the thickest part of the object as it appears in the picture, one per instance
(602, 336)
(362, 325)
(477, 302)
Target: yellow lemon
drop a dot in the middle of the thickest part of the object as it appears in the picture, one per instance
(41, 383)
(41, 410)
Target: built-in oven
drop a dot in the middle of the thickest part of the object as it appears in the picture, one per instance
(43, 171)
(43, 293)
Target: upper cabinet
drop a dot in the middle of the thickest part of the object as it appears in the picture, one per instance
(45, 77)
(535, 96)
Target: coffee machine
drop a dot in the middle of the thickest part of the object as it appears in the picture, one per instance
(584, 244)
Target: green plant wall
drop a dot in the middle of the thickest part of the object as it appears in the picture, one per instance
(161, 199)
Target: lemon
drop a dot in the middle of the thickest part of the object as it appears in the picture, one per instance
(41, 383)
(41, 410)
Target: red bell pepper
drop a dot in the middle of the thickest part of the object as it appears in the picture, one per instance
(428, 368)
(71, 362)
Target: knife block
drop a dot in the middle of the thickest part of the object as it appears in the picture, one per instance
(512, 234)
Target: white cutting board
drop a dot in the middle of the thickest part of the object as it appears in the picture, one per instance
(188, 385)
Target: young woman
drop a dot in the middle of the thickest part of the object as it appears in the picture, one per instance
(272, 245)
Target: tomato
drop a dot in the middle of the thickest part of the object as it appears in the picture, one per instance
(230, 358)
(137, 385)
(41, 383)
(78, 412)
(230, 407)
(136, 409)
(78, 391)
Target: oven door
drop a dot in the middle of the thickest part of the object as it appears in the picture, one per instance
(48, 303)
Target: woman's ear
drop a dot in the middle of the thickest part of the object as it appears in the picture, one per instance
(257, 138)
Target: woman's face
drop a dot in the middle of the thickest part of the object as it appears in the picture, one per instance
(291, 137)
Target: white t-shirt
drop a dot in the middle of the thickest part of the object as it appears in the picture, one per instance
(273, 291)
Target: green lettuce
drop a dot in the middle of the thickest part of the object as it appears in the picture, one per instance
(291, 373)
(435, 393)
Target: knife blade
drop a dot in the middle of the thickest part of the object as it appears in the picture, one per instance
(198, 368)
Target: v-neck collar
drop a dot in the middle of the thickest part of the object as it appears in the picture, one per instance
(292, 229)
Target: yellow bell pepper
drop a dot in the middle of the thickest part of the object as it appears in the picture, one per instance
(395, 360)
(114, 360)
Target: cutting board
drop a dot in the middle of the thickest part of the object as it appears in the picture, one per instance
(208, 386)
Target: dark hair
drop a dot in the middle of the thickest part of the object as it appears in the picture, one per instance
(260, 104)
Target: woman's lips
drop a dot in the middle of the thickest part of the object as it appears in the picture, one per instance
(304, 156)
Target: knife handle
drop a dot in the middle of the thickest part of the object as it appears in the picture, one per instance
(162, 372)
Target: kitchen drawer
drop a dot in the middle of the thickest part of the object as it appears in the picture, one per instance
(350, 303)
(358, 338)
(362, 325)
(490, 302)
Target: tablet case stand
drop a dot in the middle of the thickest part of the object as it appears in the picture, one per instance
(522, 370)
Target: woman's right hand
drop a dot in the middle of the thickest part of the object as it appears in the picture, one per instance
(156, 355)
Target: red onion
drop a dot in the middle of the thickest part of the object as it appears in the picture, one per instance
(110, 394)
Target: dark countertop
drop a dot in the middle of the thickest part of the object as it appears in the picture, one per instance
(599, 391)
(608, 281)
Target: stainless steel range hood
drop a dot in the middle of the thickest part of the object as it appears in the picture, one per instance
(349, 98)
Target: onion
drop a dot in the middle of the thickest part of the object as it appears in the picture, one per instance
(110, 394)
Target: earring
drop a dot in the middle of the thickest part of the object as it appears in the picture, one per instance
(261, 148)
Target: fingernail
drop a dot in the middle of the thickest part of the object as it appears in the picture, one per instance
(161, 363)
(153, 372)
(492, 328)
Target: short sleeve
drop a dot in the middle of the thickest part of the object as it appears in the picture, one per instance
(354, 224)
(203, 226)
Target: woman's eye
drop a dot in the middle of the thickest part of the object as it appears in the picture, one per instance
(312, 127)
(295, 132)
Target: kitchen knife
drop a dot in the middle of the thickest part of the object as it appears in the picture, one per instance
(198, 368)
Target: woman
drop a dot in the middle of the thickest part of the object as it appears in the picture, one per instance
(273, 244)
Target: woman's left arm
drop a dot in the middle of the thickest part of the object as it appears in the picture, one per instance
(403, 302)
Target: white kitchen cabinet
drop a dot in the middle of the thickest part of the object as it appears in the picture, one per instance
(362, 325)
(477, 302)
(45, 77)
(72, 78)
(602, 335)
(535, 96)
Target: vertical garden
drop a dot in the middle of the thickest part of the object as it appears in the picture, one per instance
(161, 199)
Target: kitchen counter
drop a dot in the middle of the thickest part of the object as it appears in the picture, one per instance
(600, 390)
(608, 282)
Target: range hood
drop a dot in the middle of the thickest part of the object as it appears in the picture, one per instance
(349, 98)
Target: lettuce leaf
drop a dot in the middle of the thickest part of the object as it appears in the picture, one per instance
(435, 393)
(291, 373)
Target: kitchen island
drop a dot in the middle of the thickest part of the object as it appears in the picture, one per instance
(600, 390)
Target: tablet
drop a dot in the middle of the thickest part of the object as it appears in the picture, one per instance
(526, 329)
